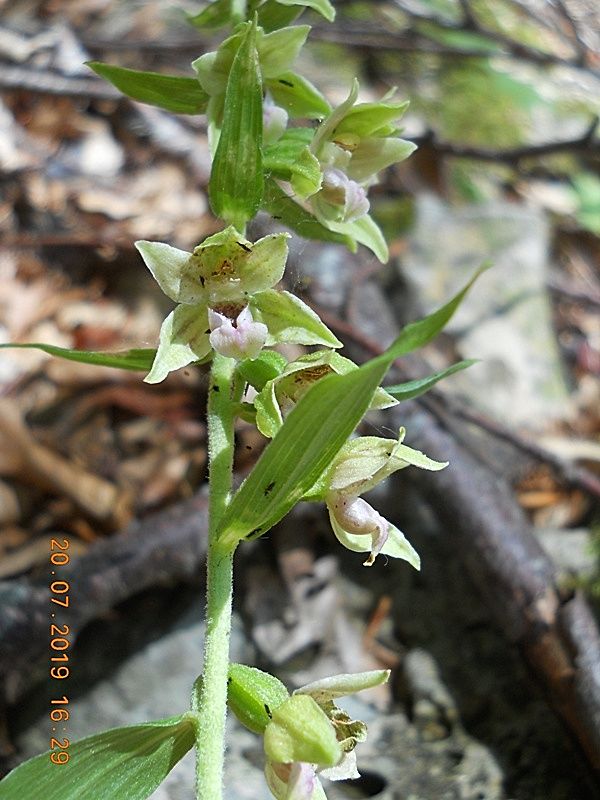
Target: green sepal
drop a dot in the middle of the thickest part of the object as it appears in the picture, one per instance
(174, 93)
(253, 695)
(298, 96)
(123, 764)
(370, 119)
(236, 181)
(266, 367)
(137, 359)
(183, 340)
(410, 389)
(283, 208)
(374, 154)
(300, 731)
(290, 320)
(365, 231)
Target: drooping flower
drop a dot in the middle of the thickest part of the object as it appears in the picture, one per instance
(226, 300)
(360, 465)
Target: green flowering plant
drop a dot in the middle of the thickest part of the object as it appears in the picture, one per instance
(232, 314)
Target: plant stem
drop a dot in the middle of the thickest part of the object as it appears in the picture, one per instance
(210, 747)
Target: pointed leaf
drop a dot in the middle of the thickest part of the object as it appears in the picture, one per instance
(236, 182)
(418, 334)
(137, 359)
(123, 764)
(174, 93)
(410, 389)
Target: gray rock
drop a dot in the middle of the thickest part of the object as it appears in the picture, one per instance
(505, 321)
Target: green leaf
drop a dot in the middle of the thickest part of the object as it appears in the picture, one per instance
(298, 96)
(323, 7)
(418, 334)
(311, 436)
(137, 359)
(283, 208)
(236, 182)
(253, 695)
(172, 92)
(410, 389)
(121, 764)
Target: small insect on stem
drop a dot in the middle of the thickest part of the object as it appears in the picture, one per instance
(245, 247)
(268, 489)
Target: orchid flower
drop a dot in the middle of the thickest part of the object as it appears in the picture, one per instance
(353, 144)
(226, 300)
(361, 464)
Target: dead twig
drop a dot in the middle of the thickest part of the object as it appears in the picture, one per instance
(586, 144)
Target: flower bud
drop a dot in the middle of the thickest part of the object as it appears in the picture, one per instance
(253, 695)
(275, 121)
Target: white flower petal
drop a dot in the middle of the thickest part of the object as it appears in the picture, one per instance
(243, 340)
(346, 770)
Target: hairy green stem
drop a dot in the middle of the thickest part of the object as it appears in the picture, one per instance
(212, 705)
